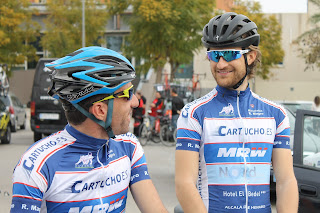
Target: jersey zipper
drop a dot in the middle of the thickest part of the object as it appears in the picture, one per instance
(102, 175)
(243, 146)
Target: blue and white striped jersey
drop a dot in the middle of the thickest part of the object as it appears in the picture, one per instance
(234, 133)
(72, 172)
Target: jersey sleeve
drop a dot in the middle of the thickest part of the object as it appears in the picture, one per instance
(282, 137)
(139, 168)
(28, 187)
(189, 129)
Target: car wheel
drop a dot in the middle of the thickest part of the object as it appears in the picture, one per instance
(7, 137)
(37, 136)
(14, 127)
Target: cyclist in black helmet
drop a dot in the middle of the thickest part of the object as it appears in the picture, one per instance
(227, 139)
(91, 164)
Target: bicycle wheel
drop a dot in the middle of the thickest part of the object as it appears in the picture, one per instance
(166, 136)
(144, 135)
(155, 137)
(175, 135)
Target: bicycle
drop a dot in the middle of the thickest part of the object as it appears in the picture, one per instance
(148, 134)
(168, 135)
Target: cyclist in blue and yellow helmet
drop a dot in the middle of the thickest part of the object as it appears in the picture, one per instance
(86, 76)
(91, 164)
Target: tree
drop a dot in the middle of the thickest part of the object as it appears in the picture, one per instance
(309, 42)
(166, 31)
(64, 25)
(16, 32)
(270, 35)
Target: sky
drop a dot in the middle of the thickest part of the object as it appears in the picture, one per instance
(284, 6)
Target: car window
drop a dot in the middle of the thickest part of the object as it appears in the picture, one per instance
(311, 141)
(295, 106)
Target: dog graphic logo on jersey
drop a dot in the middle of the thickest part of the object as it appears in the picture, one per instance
(85, 161)
(227, 110)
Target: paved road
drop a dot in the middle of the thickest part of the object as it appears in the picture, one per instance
(160, 161)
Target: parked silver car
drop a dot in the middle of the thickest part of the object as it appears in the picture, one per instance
(18, 115)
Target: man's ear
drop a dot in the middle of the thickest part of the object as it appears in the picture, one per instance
(99, 110)
(251, 56)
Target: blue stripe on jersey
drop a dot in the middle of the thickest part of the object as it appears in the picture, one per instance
(233, 152)
(142, 160)
(139, 173)
(114, 203)
(24, 190)
(186, 133)
(285, 132)
(22, 204)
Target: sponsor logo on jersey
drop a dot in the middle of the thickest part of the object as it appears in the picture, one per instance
(106, 207)
(236, 172)
(29, 162)
(85, 161)
(225, 131)
(242, 152)
(256, 112)
(227, 110)
(80, 186)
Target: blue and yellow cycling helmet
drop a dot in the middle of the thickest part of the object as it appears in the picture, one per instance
(89, 71)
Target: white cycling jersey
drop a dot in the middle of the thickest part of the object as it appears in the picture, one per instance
(234, 133)
(72, 172)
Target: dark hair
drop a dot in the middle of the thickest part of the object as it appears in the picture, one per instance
(73, 115)
(174, 90)
(317, 100)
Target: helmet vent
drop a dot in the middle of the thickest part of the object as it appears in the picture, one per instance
(214, 29)
(236, 29)
(246, 20)
(207, 30)
(224, 29)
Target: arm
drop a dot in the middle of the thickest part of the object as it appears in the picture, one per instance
(286, 187)
(146, 197)
(187, 166)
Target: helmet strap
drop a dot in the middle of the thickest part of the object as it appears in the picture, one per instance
(236, 86)
(107, 124)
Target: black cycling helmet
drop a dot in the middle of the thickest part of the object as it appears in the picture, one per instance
(87, 72)
(230, 30)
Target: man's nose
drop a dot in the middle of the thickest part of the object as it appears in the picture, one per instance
(222, 63)
(134, 101)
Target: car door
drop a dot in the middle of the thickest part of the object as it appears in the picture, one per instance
(306, 159)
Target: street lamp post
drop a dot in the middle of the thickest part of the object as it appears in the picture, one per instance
(83, 25)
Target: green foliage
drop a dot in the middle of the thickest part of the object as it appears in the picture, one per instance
(270, 35)
(309, 42)
(64, 25)
(16, 32)
(167, 31)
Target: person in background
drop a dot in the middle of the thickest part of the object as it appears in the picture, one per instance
(138, 112)
(177, 105)
(91, 164)
(156, 108)
(227, 139)
(316, 104)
